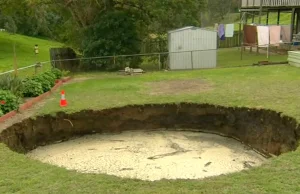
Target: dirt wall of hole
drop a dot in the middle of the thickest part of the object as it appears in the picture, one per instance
(264, 130)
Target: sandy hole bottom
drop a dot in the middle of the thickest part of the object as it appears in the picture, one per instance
(151, 155)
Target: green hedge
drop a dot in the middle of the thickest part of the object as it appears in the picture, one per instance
(11, 101)
(46, 85)
(50, 76)
(57, 73)
(32, 88)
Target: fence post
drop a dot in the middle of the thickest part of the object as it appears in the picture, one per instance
(159, 62)
(15, 60)
(35, 69)
(192, 60)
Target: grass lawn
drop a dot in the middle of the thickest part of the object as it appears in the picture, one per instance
(272, 87)
(232, 57)
(24, 50)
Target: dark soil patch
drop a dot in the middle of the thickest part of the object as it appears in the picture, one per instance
(264, 130)
(173, 87)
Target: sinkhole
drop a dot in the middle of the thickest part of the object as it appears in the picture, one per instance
(156, 141)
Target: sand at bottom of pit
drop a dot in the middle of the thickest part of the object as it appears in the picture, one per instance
(151, 155)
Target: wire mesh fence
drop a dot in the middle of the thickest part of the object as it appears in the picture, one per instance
(229, 57)
(29, 71)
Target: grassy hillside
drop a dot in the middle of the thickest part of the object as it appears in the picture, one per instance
(285, 18)
(24, 50)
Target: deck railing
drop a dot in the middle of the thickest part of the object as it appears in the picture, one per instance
(270, 3)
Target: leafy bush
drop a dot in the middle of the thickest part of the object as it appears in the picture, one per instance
(46, 85)
(1, 113)
(32, 88)
(11, 101)
(65, 73)
(12, 83)
(50, 77)
(57, 73)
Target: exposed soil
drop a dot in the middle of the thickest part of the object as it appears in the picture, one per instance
(264, 130)
(173, 87)
(132, 154)
(80, 79)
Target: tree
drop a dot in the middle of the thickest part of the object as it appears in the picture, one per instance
(68, 20)
(218, 9)
(113, 33)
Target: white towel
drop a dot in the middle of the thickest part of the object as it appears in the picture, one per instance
(263, 36)
(229, 30)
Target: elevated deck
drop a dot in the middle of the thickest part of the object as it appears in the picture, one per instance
(270, 4)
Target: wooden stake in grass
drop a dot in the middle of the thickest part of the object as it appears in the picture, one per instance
(15, 60)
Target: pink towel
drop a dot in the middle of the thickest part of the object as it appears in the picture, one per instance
(286, 33)
(275, 32)
(263, 36)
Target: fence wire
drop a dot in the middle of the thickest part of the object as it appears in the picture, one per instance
(230, 57)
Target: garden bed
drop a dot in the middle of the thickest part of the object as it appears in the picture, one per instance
(32, 101)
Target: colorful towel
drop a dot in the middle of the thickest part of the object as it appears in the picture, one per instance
(221, 30)
(250, 35)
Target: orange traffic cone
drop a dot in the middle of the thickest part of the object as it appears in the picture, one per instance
(63, 101)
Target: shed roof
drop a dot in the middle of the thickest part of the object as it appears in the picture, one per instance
(188, 28)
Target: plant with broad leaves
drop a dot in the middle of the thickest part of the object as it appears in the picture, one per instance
(57, 73)
(46, 85)
(32, 88)
(8, 101)
(50, 76)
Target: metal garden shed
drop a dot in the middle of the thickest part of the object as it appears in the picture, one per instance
(192, 48)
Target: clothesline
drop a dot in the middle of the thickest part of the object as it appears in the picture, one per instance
(265, 35)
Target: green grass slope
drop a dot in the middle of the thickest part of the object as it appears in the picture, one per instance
(24, 50)
(285, 18)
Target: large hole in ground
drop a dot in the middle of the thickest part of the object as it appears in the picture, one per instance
(151, 142)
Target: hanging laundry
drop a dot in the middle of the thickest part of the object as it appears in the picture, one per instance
(275, 32)
(221, 32)
(263, 36)
(250, 35)
(229, 30)
(286, 33)
(223, 37)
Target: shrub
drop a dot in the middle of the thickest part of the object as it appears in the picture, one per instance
(57, 73)
(65, 73)
(12, 83)
(32, 88)
(11, 101)
(1, 113)
(50, 77)
(46, 85)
